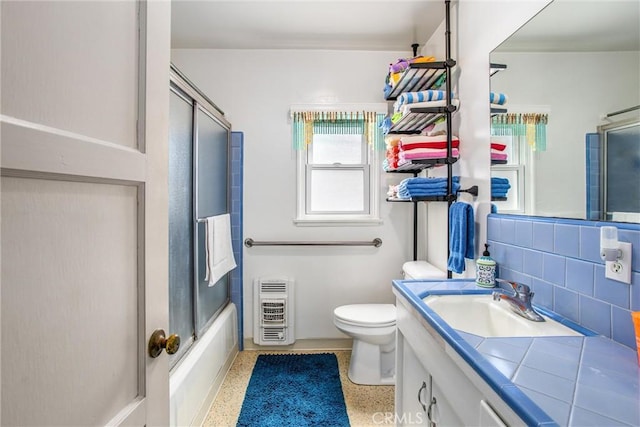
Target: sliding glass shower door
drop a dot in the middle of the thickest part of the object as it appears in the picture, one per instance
(181, 222)
(211, 188)
(198, 188)
(622, 171)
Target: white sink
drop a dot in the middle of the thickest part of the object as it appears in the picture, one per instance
(481, 315)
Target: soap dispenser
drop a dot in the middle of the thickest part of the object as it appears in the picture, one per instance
(486, 269)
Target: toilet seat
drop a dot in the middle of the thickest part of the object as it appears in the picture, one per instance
(368, 315)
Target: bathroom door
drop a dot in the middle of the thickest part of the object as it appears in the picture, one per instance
(83, 236)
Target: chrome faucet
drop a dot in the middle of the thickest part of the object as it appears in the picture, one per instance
(519, 298)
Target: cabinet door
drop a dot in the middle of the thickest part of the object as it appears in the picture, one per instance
(488, 417)
(439, 411)
(413, 392)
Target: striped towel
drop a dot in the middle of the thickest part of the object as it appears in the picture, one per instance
(497, 98)
(422, 96)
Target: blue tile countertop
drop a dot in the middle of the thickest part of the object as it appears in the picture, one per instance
(568, 381)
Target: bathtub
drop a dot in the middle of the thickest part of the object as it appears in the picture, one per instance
(195, 381)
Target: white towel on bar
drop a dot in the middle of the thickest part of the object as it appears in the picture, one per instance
(218, 249)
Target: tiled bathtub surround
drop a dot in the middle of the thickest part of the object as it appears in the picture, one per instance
(237, 162)
(560, 260)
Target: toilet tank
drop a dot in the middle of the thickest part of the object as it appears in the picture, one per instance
(420, 270)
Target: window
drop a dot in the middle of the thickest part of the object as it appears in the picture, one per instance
(338, 180)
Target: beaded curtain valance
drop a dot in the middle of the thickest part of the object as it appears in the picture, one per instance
(532, 126)
(308, 123)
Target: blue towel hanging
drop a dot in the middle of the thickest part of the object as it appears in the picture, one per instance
(461, 235)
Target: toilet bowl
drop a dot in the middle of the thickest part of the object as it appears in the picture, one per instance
(373, 329)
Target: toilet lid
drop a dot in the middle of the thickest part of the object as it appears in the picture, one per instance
(367, 314)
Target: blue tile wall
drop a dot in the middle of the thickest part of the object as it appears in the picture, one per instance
(237, 157)
(592, 152)
(560, 260)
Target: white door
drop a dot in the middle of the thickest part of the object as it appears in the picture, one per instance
(84, 133)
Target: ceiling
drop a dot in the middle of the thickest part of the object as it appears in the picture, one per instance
(380, 25)
(389, 25)
(580, 26)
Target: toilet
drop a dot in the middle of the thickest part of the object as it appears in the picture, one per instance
(422, 270)
(373, 329)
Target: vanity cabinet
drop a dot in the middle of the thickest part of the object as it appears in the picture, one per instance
(435, 386)
(421, 400)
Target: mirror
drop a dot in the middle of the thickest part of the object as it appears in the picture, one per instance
(577, 64)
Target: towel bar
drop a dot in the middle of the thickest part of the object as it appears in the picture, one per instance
(377, 242)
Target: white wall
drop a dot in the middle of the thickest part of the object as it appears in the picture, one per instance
(578, 88)
(477, 28)
(255, 88)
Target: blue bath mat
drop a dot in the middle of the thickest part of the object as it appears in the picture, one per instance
(294, 390)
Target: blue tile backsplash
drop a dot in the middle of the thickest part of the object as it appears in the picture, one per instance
(560, 260)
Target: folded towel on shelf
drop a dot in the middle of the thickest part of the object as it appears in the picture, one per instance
(407, 193)
(393, 150)
(461, 236)
(436, 182)
(386, 91)
(428, 145)
(389, 164)
(498, 146)
(218, 250)
(403, 63)
(497, 98)
(408, 141)
(392, 140)
(426, 153)
(498, 156)
(499, 180)
(422, 96)
(386, 125)
(499, 187)
(420, 187)
(406, 109)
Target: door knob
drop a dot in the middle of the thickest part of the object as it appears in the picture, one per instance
(159, 341)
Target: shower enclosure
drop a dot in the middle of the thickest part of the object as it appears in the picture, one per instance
(198, 188)
(621, 171)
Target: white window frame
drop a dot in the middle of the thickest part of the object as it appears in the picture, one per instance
(372, 192)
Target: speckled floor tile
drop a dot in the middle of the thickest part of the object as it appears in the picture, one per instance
(366, 405)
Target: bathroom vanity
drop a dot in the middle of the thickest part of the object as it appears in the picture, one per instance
(448, 377)
(434, 384)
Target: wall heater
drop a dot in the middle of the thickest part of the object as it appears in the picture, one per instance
(273, 303)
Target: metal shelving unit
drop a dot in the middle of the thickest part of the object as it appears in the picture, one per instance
(419, 77)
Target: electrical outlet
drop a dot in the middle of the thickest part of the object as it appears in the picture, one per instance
(620, 270)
